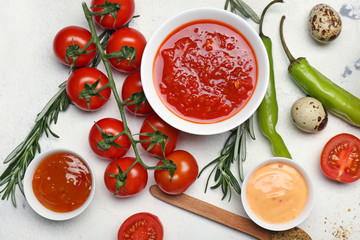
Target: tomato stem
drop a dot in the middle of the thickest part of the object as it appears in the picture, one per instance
(111, 83)
(73, 51)
(104, 57)
(101, 88)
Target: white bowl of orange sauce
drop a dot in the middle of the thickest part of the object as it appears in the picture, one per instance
(205, 71)
(278, 194)
(59, 184)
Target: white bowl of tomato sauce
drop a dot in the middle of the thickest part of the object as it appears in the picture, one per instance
(205, 71)
(59, 184)
(278, 194)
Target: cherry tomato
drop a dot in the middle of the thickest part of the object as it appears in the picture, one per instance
(340, 158)
(184, 176)
(136, 179)
(103, 140)
(73, 37)
(132, 87)
(123, 15)
(171, 133)
(82, 81)
(141, 226)
(126, 40)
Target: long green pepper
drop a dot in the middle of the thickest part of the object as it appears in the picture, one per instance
(268, 109)
(335, 99)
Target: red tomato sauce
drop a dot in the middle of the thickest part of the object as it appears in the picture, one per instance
(205, 71)
(62, 182)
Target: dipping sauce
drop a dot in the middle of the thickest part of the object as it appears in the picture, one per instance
(205, 71)
(62, 182)
(277, 193)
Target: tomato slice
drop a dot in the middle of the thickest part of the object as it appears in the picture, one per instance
(340, 158)
(141, 226)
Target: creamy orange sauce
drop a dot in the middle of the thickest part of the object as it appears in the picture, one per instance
(277, 193)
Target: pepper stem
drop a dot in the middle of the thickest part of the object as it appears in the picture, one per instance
(287, 52)
(263, 15)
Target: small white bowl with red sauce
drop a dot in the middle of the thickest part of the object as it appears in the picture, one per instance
(277, 194)
(205, 71)
(59, 184)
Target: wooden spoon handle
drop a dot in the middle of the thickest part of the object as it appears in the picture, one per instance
(212, 212)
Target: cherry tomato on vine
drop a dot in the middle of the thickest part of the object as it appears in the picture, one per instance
(141, 226)
(82, 88)
(340, 158)
(169, 133)
(123, 15)
(68, 41)
(132, 87)
(135, 182)
(131, 43)
(184, 176)
(106, 139)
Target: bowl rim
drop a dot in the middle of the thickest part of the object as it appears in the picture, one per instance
(203, 13)
(304, 213)
(33, 201)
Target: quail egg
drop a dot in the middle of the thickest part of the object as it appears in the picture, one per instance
(324, 23)
(309, 115)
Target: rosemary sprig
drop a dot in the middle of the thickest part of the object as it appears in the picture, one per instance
(241, 7)
(233, 151)
(24, 153)
(19, 159)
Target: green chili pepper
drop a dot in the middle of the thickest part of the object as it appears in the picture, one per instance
(335, 99)
(268, 109)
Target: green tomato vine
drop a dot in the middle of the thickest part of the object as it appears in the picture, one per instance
(19, 159)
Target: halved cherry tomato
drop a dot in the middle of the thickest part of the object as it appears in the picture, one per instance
(105, 139)
(123, 15)
(73, 37)
(141, 226)
(81, 82)
(340, 158)
(131, 43)
(184, 176)
(132, 87)
(136, 179)
(171, 134)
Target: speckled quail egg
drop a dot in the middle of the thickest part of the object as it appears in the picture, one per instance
(309, 115)
(324, 23)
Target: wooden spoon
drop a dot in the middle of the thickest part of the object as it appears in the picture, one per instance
(225, 217)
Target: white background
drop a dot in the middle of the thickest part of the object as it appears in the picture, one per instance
(30, 75)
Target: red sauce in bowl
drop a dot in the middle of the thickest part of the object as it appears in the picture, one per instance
(205, 71)
(62, 182)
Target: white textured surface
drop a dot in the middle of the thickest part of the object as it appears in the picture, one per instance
(30, 75)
